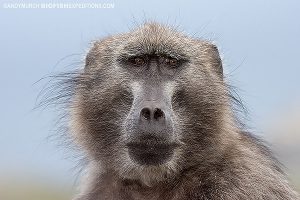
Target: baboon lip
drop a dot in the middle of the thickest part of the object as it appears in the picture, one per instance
(146, 146)
(150, 154)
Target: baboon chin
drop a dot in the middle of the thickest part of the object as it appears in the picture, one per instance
(155, 119)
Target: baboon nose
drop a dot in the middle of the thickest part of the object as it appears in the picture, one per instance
(158, 114)
(152, 114)
(146, 113)
(154, 121)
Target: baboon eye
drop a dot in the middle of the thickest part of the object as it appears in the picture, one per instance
(173, 62)
(137, 61)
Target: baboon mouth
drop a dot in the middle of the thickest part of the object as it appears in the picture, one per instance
(150, 154)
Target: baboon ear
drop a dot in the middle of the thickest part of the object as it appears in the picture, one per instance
(210, 57)
(98, 53)
(215, 59)
(91, 57)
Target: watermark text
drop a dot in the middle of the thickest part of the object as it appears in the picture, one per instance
(58, 5)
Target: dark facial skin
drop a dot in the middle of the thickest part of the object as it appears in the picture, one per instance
(150, 120)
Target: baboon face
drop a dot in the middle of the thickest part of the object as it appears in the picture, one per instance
(149, 102)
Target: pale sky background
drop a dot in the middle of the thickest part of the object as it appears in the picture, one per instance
(259, 42)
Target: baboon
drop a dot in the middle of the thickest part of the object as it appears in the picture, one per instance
(155, 118)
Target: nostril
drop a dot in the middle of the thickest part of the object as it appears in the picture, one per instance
(145, 113)
(158, 113)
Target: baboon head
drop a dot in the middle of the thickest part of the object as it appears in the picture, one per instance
(150, 103)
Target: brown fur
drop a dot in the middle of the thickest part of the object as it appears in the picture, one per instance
(216, 159)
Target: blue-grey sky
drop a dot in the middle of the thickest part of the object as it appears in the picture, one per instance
(259, 42)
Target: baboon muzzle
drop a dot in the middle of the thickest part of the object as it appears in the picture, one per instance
(152, 131)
